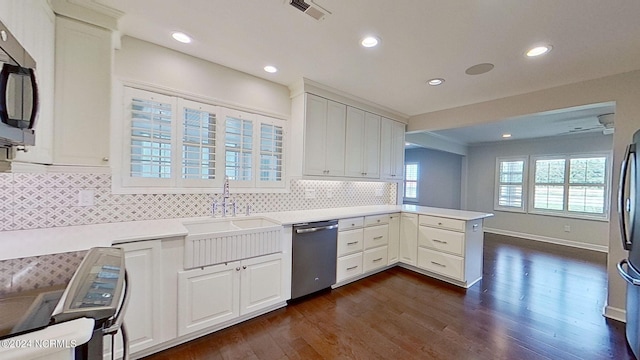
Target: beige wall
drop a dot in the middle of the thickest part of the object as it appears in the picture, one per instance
(481, 172)
(141, 62)
(624, 89)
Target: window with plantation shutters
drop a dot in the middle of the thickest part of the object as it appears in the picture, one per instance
(150, 137)
(173, 143)
(199, 130)
(238, 148)
(571, 185)
(510, 184)
(271, 152)
(411, 182)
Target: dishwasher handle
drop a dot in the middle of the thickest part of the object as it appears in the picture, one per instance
(314, 229)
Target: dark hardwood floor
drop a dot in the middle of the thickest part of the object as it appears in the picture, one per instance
(536, 301)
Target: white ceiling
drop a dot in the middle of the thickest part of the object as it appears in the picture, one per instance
(421, 39)
(573, 121)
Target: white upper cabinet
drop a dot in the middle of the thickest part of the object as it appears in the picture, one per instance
(392, 150)
(82, 93)
(362, 151)
(324, 144)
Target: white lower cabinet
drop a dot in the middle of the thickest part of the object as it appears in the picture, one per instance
(445, 264)
(362, 246)
(208, 296)
(349, 266)
(374, 259)
(408, 238)
(394, 239)
(261, 283)
(217, 294)
(143, 316)
(451, 248)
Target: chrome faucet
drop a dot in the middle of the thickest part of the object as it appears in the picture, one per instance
(225, 198)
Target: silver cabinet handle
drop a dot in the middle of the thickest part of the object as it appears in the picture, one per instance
(353, 267)
(376, 260)
(238, 268)
(439, 241)
(438, 264)
(378, 237)
(352, 243)
(244, 267)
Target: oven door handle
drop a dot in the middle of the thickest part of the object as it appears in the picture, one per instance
(116, 321)
(314, 229)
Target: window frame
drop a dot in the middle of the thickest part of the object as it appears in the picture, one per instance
(498, 183)
(124, 183)
(567, 185)
(416, 181)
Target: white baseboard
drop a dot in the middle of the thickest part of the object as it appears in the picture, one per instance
(576, 244)
(615, 313)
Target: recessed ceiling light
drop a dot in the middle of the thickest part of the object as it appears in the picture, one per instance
(506, 136)
(270, 69)
(435, 82)
(370, 41)
(182, 37)
(538, 50)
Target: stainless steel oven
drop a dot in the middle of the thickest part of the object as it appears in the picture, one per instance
(98, 290)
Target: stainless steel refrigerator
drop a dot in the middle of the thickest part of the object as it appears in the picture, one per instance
(629, 269)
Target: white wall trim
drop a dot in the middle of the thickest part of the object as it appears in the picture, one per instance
(576, 244)
(614, 313)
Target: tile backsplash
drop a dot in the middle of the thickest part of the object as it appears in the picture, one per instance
(42, 200)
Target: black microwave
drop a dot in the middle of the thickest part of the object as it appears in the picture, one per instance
(18, 92)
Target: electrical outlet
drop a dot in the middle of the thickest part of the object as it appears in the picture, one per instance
(309, 193)
(329, 194)
(567, 228)
(379, 192)
(86, 197)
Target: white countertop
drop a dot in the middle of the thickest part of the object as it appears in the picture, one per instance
(24, 243)
(302, 216)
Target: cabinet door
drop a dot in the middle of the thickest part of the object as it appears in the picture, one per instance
(386, 149)
(397, 150)
(143, 316)
(354, 150)
(315, 135)
(207, 296)
(335, 138)
(371, 141)
(373, 259)
(261, 283)
(82, 93)
(394, 238)
(408, 238)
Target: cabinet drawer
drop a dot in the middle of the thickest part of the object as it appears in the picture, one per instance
(375, 258)
(348, 266)
(448, 265)
(350, 241)
(375, 236)
(350, 223)
(376, 220)
(442, 240)
(444, 223)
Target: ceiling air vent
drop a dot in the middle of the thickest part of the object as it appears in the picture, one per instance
(313, 9)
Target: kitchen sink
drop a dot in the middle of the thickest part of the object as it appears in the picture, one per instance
(227, 224)
(214, 241)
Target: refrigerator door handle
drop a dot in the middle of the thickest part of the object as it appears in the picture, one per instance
(625, 275)
(622, 209)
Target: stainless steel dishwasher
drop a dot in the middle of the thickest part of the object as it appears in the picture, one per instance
(314, 257)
